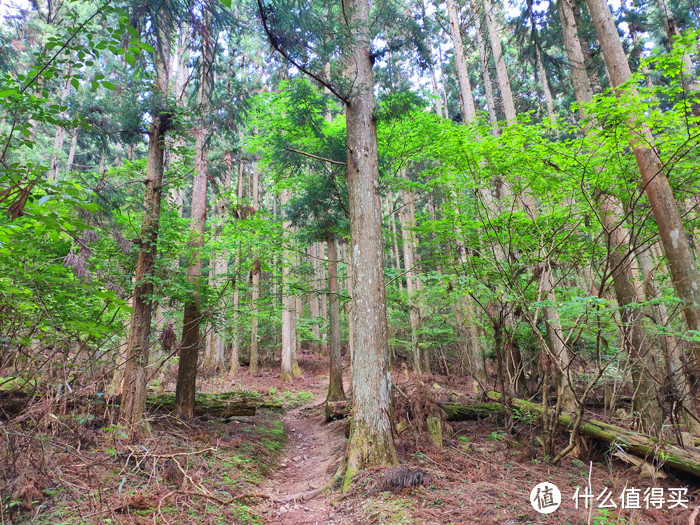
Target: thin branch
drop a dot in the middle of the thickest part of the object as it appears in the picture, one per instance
(336, 162)
(64, 46)
(274, 41)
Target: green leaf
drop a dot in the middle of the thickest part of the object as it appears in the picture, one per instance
(227, 3)
(75, 83)
(109, 85)
(130, 59)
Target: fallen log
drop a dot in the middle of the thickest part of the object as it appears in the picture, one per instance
(458, 412)
(224, 405)
(646, 447)
(227, 404)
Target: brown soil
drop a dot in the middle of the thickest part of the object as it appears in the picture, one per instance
(298, 489)
(244, 471)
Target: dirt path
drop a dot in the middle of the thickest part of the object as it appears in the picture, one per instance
(310, 460)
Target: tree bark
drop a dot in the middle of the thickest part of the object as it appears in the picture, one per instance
(217, 276)
(681, 259)
(413, 284)
(677, 380)
(371, 442)
(60, 136)
(72, 150)
(314, 303)
(690, 83)
(296, 343)
(501, 70)
(287, 306)
(137, 352)
(335, 383)
(395, 239)
(485, 72)
(574, 52)
(465, 89)
(189, 349)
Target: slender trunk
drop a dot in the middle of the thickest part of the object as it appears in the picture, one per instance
(60, 136)
(645, 400)
(371, 442)
(133, 403)
(548, 100)
(501, 71)
(314, 303)
(335, 383)
(541, 72)
(466, 98)
(679, 253)
(690, 82)
(555, 337)
(574, 52)
(349, 304)
(407, 217)
(296, 343)
(395, 238)
(72, 150)
(677, 380)
(189, 349)
(485, 73)
(179, 143)
(287, 306)
(323, 298)
(217, 273)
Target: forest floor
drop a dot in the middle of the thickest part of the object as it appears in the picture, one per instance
(268, 469)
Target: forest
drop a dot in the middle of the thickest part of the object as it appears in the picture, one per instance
(355, 262)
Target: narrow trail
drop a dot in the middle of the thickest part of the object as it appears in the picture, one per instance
(311, 457)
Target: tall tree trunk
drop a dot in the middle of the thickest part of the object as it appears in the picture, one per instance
(677, 380)
(574, 52)
(296, 342)
(548, 100)
(485, 73)
(465, 89)
(323, 308)
(335, 382)
(60, 136)
(255, 282)
(235, 314)
(395, 239)
(287, 305)
(349, 304)
(541, 72)
(690, 82)
(555, 336)
(133, 401)
(314, 303)
(638, 342)
(180, 65)
(407, 217)
(71, 151)
(217, 274)
(189, 349)
(501, 71)
(679, 253)
(645, 400)
(371, 442)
